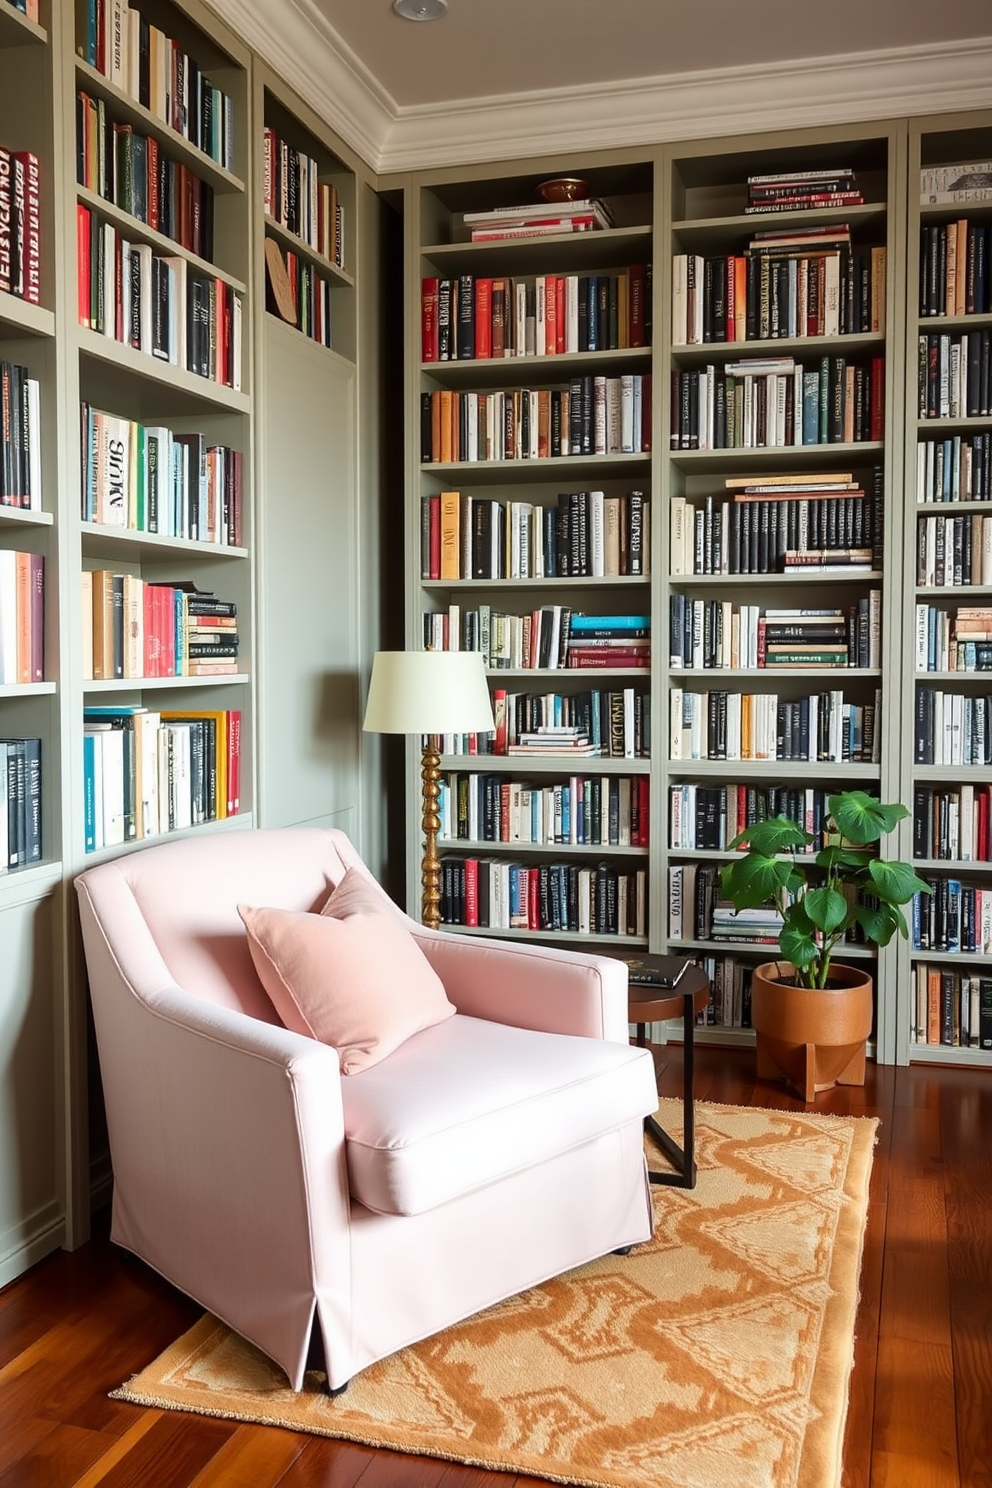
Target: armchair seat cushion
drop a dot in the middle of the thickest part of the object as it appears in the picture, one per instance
(469, 1101)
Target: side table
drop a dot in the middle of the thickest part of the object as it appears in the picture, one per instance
(654, 1005)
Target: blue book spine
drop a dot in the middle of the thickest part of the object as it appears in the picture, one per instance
(89, 793)
(610, 622)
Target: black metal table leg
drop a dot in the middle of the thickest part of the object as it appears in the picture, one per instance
(682, 1158)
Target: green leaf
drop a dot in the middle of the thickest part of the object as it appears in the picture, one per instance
(896, 883)
(777, 834)
(862, 818)
(755, 879)
(826, 908)
(880, 921)
(798, 946)
(843, 860)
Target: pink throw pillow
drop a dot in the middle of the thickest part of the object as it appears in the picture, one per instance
(352, 976)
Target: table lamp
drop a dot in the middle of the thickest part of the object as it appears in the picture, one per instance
(429, 693)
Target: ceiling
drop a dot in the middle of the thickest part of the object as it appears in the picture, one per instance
(500, 79)
(490, 48)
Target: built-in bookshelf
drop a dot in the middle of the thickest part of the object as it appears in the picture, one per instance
(776, 584)
(162, 484)
(309, 216)
(531, 465)
(136, 356)
(947, 613)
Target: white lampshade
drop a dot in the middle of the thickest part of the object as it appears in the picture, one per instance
(428, 692)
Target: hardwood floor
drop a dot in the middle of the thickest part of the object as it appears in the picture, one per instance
(920, 1411)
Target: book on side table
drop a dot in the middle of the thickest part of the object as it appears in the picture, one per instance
(663, 972)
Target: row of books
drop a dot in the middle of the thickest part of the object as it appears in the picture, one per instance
(132, 628)
(20, 225)
(710, 816)
(147, 772)
(824, 727)
(697, 912)
(958, 642)
(149, 479)
(22, 617)
(295, 197)
(952, 729)
(500, 895)
(20, 803)
(952, 822)
(792, 189)
(955, 277)
(476, 317)
(955, 375)
(538, 219)
(787, 285)
(964, 182)
(730, 992)
(310, 293)
(617, 722)
(128, 168)
(954, 917)
(157, 303)
(954, 550)
(718, 634)
(585, 534)
(592, 416)
(951, 1007)
(20, 437)
(584, 810)
(765, 528)
(775, 401)
(153, 69)
(548, 638)
(958, 468)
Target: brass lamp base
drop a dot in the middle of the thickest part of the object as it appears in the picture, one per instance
(430, 873)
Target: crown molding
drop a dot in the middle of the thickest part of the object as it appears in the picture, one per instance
(306, 51)
(837, 90)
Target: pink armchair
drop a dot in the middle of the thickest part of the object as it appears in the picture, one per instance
(257, 1178)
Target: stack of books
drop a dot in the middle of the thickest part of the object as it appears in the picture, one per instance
(567, 739)
(785, 191)
(759, 926)
(20, 225)
(538, 219)
(609, 641)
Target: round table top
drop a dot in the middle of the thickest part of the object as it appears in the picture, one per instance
(656, 1004)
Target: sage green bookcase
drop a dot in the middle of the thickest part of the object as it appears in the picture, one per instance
(935, 142)
(438, 244)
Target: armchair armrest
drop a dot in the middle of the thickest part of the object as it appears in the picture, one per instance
(537, 987)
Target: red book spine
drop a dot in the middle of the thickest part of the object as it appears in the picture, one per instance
(533, 899)
(6, 187)
(31, 228)
(877, 424)
(500, 719)
(550, 314)
(471, 891)
(37, 668)
(560, 329)
(82, 263)
(234, 762)
(483, 318)
(428, 319)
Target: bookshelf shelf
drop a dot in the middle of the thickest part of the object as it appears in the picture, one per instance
(20, 318)
(16, 30)
(517, 369)
(27, 689)
(164, 684)
(502, 764)
(298, 245)
(11, 516)
(138, 231)
(553, 937)
(176, 145)
(539, 849)
(176, 391)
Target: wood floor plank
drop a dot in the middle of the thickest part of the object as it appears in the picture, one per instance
(324, 1463)
(251, 1456)
(170, 1454)
(60, 1456)
(914, 1442)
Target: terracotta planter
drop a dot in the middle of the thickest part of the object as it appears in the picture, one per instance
(812, 1038)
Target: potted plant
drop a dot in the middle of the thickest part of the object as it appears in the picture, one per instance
(812, 1014)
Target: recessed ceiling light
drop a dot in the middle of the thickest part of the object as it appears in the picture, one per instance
(420, 10)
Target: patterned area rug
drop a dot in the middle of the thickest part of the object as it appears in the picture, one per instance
(718, 1353)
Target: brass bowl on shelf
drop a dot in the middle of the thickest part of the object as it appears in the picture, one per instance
(564, 189)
